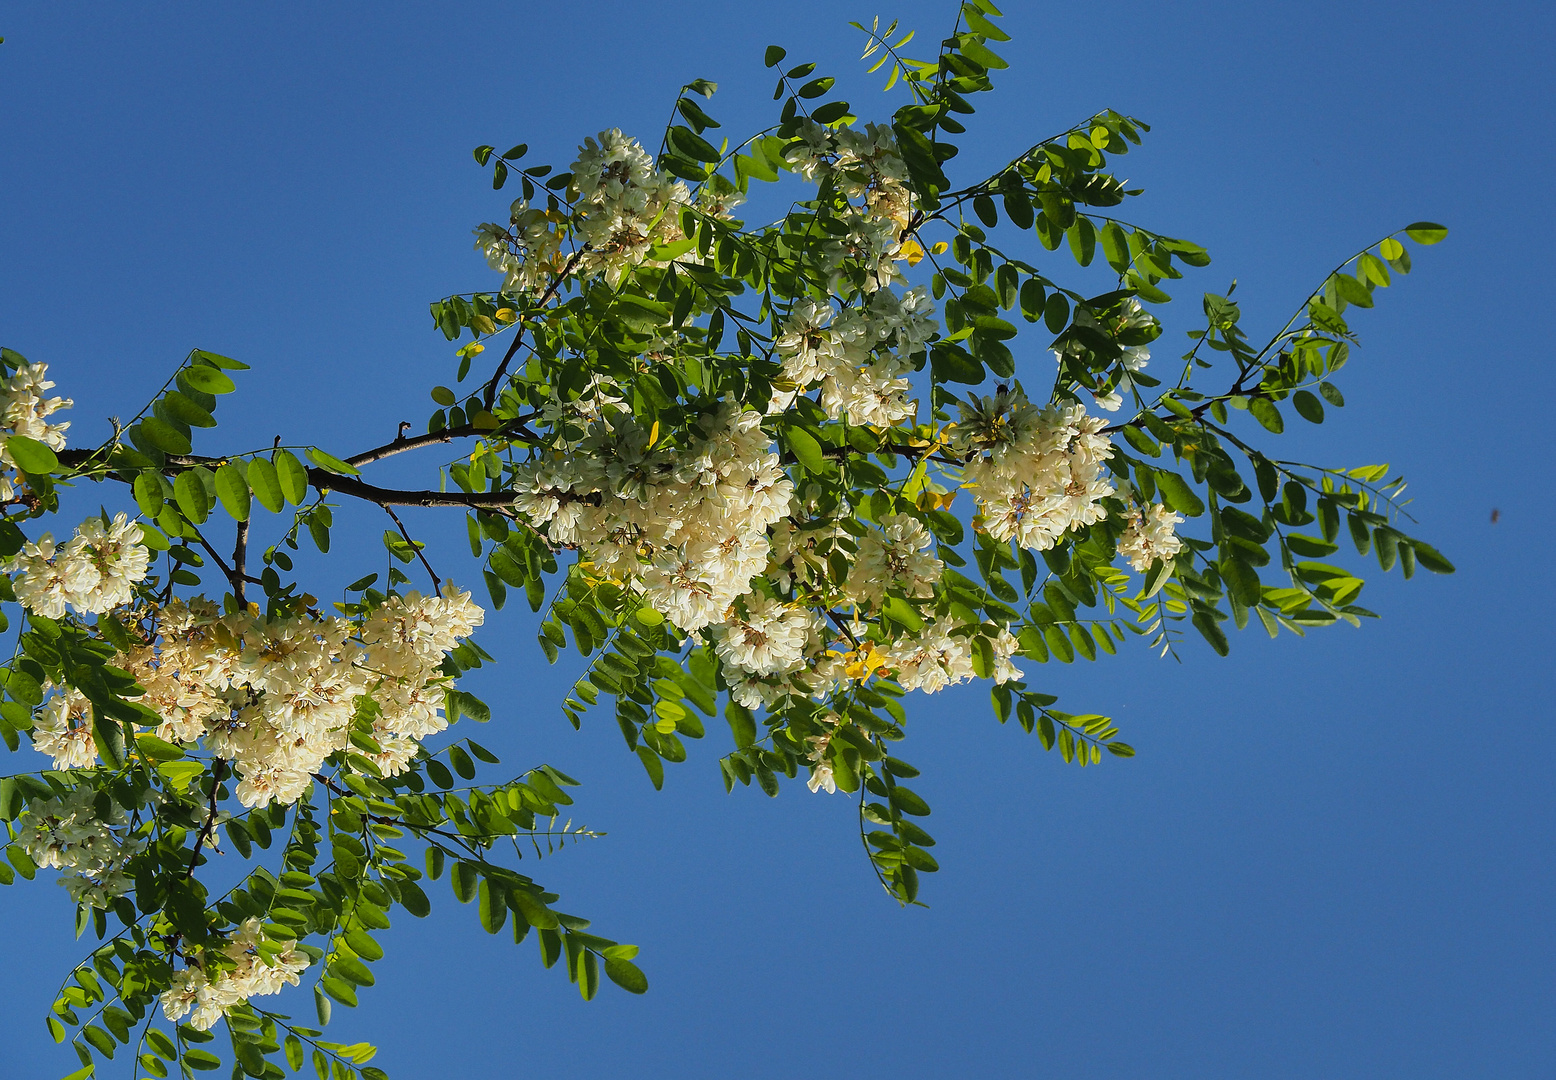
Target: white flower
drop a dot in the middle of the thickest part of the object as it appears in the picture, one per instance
(894, 557)
(931, 660)
(247, 973)
(1149, 536)
(63, 730)
(1036, 475)
(1005, 647)
(67, 834)
(95, 571)
(769, 640)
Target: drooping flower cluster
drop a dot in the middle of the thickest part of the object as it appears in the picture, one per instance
(894, 557)
(224, 977)
(625, 206)
(25, 411)
(67, 833)
(62, 728)
(821, 775)
(1149, 536)
(859, 356)
(687, 528)
(277, 696)
(529, 253)
(95, 571)
(770, 638)
(864, 165)
(1036, 474)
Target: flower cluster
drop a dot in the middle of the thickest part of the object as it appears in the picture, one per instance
(25, 411)
(228, 976)
(62, 728)
(277, 696)
(1149, 536)
(1036, 474)
(859, 356)
(67, 833)
(821, 776)
(624, 207)
(529, 253)
(866, 166)
(770, 638)
(686, 528)
(95, 571)
(893, 557)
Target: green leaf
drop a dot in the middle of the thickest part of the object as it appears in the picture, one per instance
(164, 436)
(1177, 494)
(1115, 247)
(1431, 558)
(148, 493)
(183, 409)
(1241, 580)
(157, 749)
(1308, 407)
(692, 145)
(233, 491)
(1083, 241)
(331, 463)
(533, 912)
(908, 801)
(204, 1060)
(291, 476)
(464, 876)
(806, 450)
(774, 56)
(625, 974)
(494, 906)
(1212, 632)
(209, 380)
(191, 496)
(352, 970)
(266, 485)
(654, 767)
(1264, 411)
(1426, 232)
(31, 455)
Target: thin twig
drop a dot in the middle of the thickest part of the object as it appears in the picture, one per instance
(436, 584)
(489, 395)
(210, 816)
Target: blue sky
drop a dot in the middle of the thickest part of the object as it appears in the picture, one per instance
(1332, 857)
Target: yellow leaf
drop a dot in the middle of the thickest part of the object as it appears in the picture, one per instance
(505, 315)
(653, 435)
(940, 247)
(911, 251)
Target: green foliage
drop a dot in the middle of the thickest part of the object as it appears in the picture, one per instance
(694, 319)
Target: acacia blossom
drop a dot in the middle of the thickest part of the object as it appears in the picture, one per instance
(67, 833)
(1035, 474)
(1149, 536)
(25, 410)
(219, 979)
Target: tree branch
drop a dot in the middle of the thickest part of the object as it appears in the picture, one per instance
(489, 394)
(240, 549)
(210, 816)
(360, 489)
